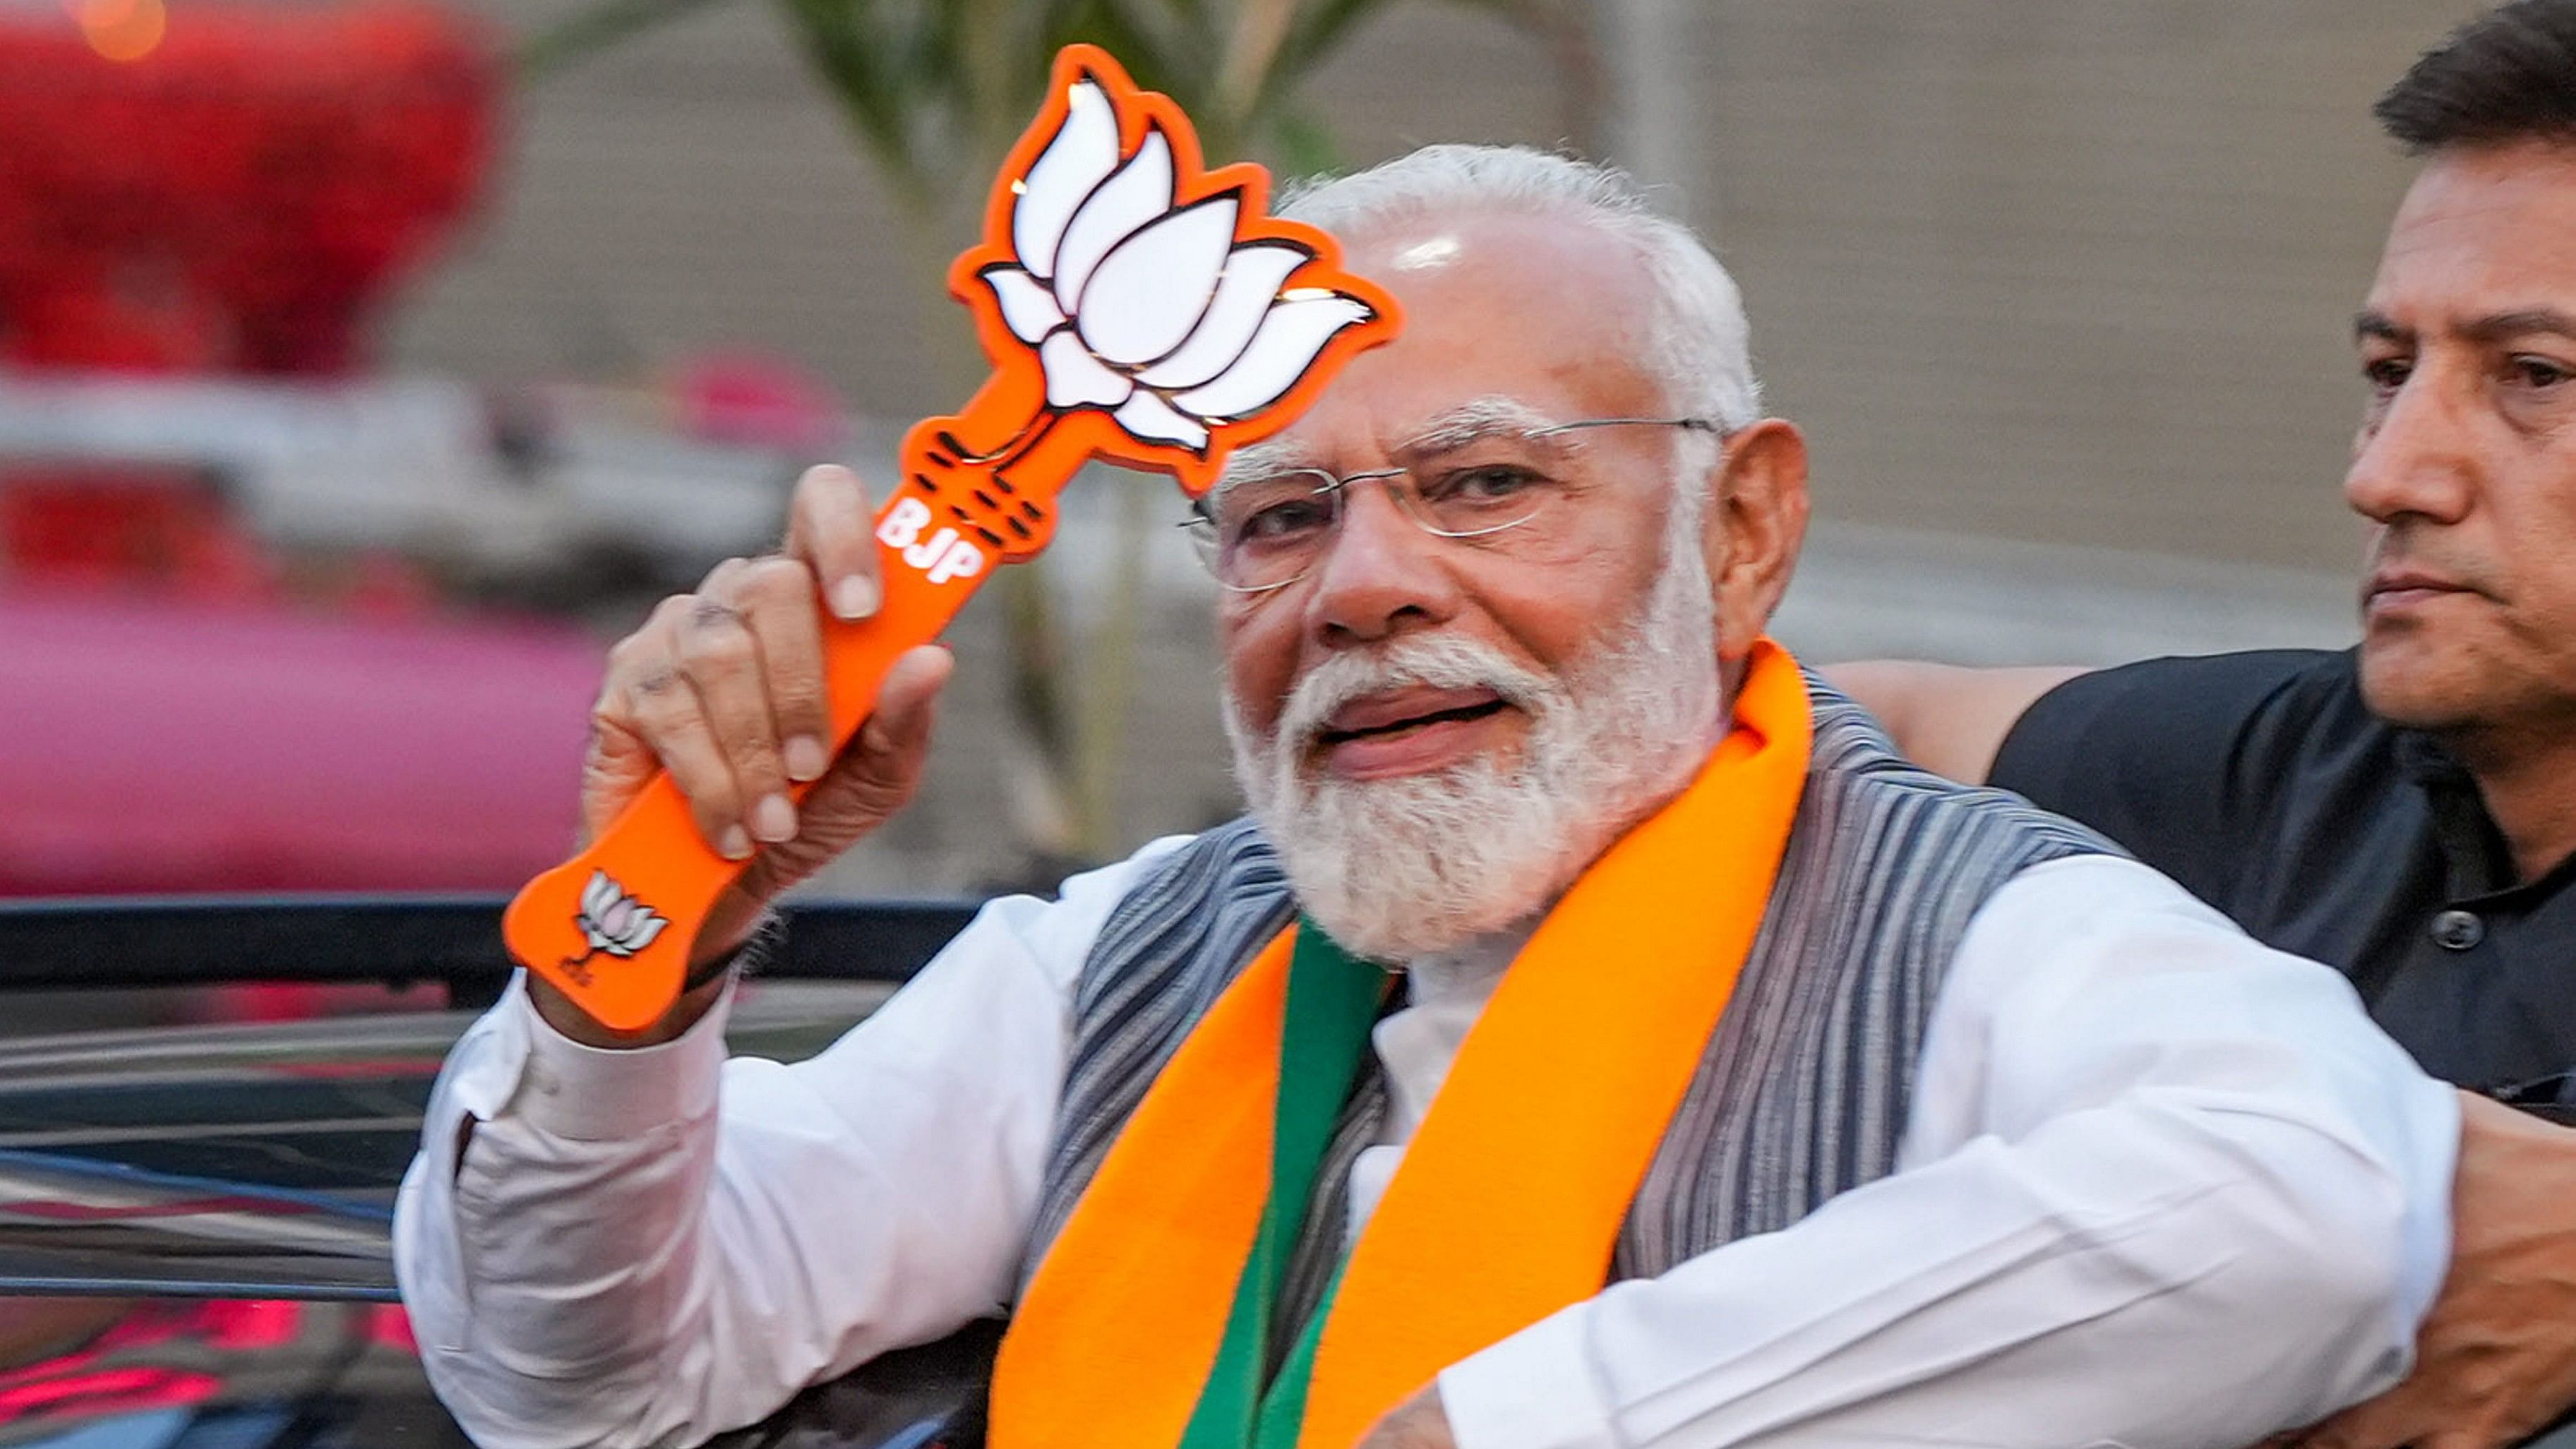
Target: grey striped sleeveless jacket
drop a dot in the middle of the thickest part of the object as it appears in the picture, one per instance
(1802, 1094)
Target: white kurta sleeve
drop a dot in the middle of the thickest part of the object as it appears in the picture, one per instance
(2161, 1188)
(625, 1248)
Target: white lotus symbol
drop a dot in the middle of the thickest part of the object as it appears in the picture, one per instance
(616, 922)
(1146, 309)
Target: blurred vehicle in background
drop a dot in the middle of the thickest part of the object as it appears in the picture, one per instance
(195, 1221)
(166, 745)
(549, 494)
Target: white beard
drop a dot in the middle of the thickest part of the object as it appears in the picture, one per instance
(1403, 868)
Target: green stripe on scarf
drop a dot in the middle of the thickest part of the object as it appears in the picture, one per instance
(1333, 1001)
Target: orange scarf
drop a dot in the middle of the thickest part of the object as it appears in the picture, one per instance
(1510, 1197)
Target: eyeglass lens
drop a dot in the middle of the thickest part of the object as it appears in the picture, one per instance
(1266, 532)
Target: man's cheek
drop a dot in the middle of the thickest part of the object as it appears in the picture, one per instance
(1257, 680)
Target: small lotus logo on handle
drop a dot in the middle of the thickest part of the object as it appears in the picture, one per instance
(613, 922)
(1136, 306)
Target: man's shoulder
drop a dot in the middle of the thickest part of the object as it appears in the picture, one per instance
(1859, 784)
(2231, 686)
(2249, 710)
(2192, 763)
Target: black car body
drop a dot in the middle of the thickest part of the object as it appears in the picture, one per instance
(195, 1221)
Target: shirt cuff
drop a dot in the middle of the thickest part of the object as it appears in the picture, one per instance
(1533, 1390)
(599, 1094)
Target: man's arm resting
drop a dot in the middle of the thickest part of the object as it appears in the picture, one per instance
(637, 1245)
(2496, 1362)
(2163, 1188)
(1948, 719)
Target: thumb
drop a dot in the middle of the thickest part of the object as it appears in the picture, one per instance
(883, 761)
(908, 699)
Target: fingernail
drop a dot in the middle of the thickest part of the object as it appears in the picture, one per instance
(774, 819)
(855, 597)
(806, 758)
(734, 844)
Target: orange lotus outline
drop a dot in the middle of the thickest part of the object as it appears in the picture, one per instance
(1016, 393)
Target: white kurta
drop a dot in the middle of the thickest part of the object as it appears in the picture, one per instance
(2161, 1187)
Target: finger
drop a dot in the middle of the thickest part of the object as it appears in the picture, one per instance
(777, 600)
(721, 658)
(615, 768)
(620, 761)
(667, 714)
(831, 526)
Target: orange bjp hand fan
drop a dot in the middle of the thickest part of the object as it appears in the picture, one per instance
(1136, 307)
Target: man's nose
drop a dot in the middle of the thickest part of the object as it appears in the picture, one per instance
(2421, 458)
(1379, 574)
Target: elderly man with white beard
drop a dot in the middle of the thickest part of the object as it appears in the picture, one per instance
(1592, 1036)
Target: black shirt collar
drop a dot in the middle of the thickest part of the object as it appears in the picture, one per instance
(2478, 862)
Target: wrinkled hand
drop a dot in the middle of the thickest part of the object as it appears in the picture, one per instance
(2496, 1359)
(724, 689)
(1417, 1423)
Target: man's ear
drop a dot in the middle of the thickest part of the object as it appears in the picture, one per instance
(1757, 519)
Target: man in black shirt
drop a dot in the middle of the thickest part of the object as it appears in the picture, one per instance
(2265, 783)
(2405, 810)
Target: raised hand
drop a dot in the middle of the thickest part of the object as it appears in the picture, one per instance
(725, 690)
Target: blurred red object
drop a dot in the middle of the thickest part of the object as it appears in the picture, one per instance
(229, 188)
(132, 527)
(146, 748)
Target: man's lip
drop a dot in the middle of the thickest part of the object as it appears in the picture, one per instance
(1400, 707)
(2411, 581)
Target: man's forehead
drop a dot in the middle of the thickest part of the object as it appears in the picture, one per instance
(1512, 323)
(1493, 415)
(2481, 233)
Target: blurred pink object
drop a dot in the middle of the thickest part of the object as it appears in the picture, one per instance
(156, 746)
(752, 398)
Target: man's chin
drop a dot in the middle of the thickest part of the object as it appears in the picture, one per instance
(1385, 926)
(2414, 682)
(1402, 868)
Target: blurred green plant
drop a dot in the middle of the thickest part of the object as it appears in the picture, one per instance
(935, 91)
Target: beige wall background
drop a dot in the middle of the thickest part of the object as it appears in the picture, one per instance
(2061, 290)
(2073, 271)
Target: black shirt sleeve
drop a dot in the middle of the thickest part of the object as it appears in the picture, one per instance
(2175, 759)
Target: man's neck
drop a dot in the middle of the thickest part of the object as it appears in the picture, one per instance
(2528, 781)
(1472, 966)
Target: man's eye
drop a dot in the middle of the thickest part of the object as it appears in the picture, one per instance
(2387, 374)
(1487, 483)
(2539, 372)
(1276, 521)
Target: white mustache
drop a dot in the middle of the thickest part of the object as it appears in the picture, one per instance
(1427, 661)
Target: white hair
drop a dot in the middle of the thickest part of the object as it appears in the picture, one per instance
(1700, 339)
